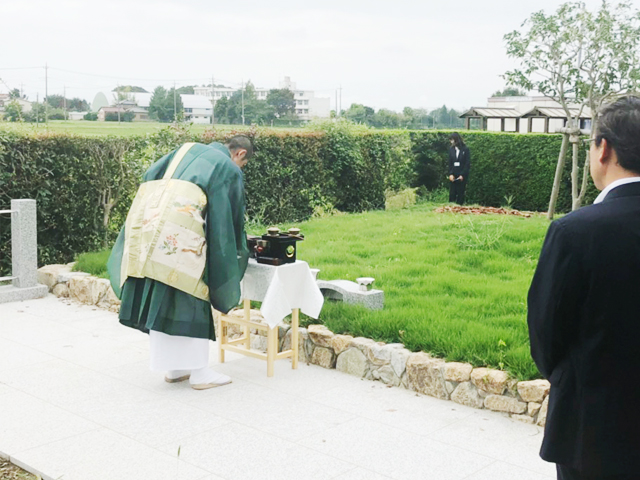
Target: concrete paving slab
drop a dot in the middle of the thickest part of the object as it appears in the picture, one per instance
(93, 352)
(78, 401)
(395, 452)
(361, 474)
(238, 452)
(106, 455)
(16, 355)
(504, 471)
(28, 422)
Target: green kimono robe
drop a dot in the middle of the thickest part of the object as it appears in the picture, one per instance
(151, 305)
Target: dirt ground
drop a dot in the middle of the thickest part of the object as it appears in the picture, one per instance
(486, 210)
(8, 471)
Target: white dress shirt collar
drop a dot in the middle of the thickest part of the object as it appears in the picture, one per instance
(612, 185)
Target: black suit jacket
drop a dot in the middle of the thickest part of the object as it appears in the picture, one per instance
(584, 327)
(464, 161)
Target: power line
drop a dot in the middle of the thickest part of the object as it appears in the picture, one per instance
(19, 68)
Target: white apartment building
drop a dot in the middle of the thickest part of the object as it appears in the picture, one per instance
(308, 106)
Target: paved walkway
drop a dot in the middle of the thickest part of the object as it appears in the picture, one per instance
(77, 402)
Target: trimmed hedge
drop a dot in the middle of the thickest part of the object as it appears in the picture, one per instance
(293, 176)
(505, 168)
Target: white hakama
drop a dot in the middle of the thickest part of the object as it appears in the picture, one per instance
(172, 352)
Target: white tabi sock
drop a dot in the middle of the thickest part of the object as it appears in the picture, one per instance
(207, 378)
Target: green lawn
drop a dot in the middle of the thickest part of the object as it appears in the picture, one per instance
(96, 128)
(455, 285)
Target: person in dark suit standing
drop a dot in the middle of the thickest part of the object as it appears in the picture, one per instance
(584, 313)
(459, 164)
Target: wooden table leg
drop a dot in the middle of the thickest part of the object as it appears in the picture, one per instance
(247, 317)
(272, 349)
(222, 336)
(295, 320)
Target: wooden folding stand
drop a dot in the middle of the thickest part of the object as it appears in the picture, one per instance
(242, 345)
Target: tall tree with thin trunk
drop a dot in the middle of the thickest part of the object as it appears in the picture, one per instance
(580, 59)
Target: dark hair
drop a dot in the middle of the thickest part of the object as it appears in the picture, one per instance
(241, 142)
(619, 124)
(457, 139)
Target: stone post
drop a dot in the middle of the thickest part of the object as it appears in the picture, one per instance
(24, 254)
(24, 243)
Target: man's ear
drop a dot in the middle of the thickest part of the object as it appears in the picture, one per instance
(607, 152)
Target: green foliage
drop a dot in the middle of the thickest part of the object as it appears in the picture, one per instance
(578, 56)
(189, 90)
(466, 305)
(94, 263)
(509, 92)
(64, 176)
(91, 116)
(283, 102)
(411, 118)
(13, 111)
(37, 113)
(130, 89)
(125, 116)
(402, 199)
(255, 112)
(164, 106)
(295, 175)
(519, 167)
(71, 104)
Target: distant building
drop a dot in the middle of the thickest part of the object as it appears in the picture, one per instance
(308, 106)
(522, 115)
(197, 108)
(109, 99)
(5, 99)
(140, 114)
(76, 115)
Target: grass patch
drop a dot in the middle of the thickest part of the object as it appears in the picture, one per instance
(83, 127)
(455, 285)
(94, 263)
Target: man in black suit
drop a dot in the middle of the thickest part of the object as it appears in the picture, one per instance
(584, 313)
(459, 165)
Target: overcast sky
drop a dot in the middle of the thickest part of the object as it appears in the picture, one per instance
(384, 54)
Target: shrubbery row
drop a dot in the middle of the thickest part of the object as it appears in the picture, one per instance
(295, 174)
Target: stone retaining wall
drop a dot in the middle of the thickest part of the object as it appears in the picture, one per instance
(391, 364)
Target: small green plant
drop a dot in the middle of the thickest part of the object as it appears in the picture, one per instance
(480, 234)
(402, 199)
(509, 201)
(502, 346)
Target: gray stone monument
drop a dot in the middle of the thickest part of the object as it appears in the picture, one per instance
(360, 293)
(24, 254)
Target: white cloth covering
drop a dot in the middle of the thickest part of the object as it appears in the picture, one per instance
(281, 289)
(172, 352)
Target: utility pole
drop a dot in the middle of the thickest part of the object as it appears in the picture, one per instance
(37, 112)
(175, 104)
(46, 93)
(243, 101)
(64, 101)
(118, 103)
(213, 102)
(341, 99)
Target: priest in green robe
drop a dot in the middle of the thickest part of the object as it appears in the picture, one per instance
(182, 250)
